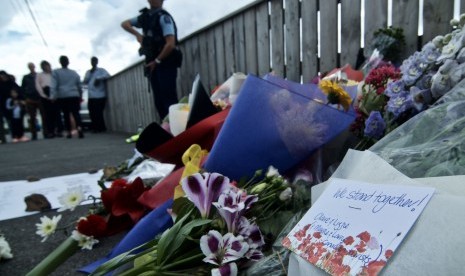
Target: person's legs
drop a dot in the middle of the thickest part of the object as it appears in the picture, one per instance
(99, 118)
(75, 105)
(64, 107)
(2, 128)
(163, 82)
(49, 118)
(93, 110)
(31, 109)
(57, 119)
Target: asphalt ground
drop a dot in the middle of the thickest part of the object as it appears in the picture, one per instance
(45, 158)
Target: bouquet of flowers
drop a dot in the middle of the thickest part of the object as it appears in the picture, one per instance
(218, 227)
(390, 96)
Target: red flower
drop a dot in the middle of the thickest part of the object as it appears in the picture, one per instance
(93, 225)
(388, 253)
(121, 199)
(286, 242)
(299, 235)
(364, 236)
(374, 267)
(361, 247)
(349, 240)
(317, 235)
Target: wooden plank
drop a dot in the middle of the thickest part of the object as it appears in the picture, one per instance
(263, 39)
(462, 6)
(436, 18)
(375, 18)
(212, 78)
(350, 31)
(203, 61)
(309, 40)
(250, 37)
(239, 43)
(194, 57)
(292, 39)
(229, 48)
(220, 58)
(277, 37)
(405, 15)
(328, 35)
(186, 68)
(181, 84)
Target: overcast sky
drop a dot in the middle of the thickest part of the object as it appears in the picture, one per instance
(80, 29)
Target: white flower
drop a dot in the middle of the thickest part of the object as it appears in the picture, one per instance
(71, 199)
(47, 226)
(5, 251)
(272, 171)
(85, 242)
(286, 194)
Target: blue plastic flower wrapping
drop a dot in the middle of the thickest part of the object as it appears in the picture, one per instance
(275, 123)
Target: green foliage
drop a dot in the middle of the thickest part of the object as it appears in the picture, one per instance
(390, 42)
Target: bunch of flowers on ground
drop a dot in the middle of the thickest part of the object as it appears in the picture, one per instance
(217, 227)
(424, 77)
(116, 210)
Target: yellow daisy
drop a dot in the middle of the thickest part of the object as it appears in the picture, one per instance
(335, 94)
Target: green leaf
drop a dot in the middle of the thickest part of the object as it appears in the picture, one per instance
(182, 206)
(166, 238)
(181, 237)
(125, 258)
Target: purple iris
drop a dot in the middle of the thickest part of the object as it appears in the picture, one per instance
(220, 250)
(375, 125)
(203, 189)
(232, 204)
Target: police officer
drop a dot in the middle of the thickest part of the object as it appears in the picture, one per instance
(158, 43)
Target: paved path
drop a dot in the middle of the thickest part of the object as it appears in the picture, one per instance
(48, 158)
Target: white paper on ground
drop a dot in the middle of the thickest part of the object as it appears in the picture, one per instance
(12, 193)
(435, 243)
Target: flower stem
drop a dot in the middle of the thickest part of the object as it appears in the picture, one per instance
(65, 250)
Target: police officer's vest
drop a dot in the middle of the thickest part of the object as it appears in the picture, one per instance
(154, 41)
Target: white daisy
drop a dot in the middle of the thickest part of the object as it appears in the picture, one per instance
(71, 199)
(85, 242)
(5, 251)
(47, 226)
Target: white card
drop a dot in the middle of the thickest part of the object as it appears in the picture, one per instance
(355, 227)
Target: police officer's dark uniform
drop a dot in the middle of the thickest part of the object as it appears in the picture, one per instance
(163, 78)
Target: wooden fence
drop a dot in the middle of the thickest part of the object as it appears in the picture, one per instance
(280, 36)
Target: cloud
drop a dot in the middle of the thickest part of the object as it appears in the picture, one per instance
(81, 29)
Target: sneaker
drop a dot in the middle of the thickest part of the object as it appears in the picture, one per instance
(24, 139)
(15, 140)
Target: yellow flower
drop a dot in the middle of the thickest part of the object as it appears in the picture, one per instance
(335, 93)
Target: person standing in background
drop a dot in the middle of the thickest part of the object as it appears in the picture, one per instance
(33, 101)
(7, 83)
(15, 105)
(158, 43)
(66, 89)
(53, 120)
(95, 79)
